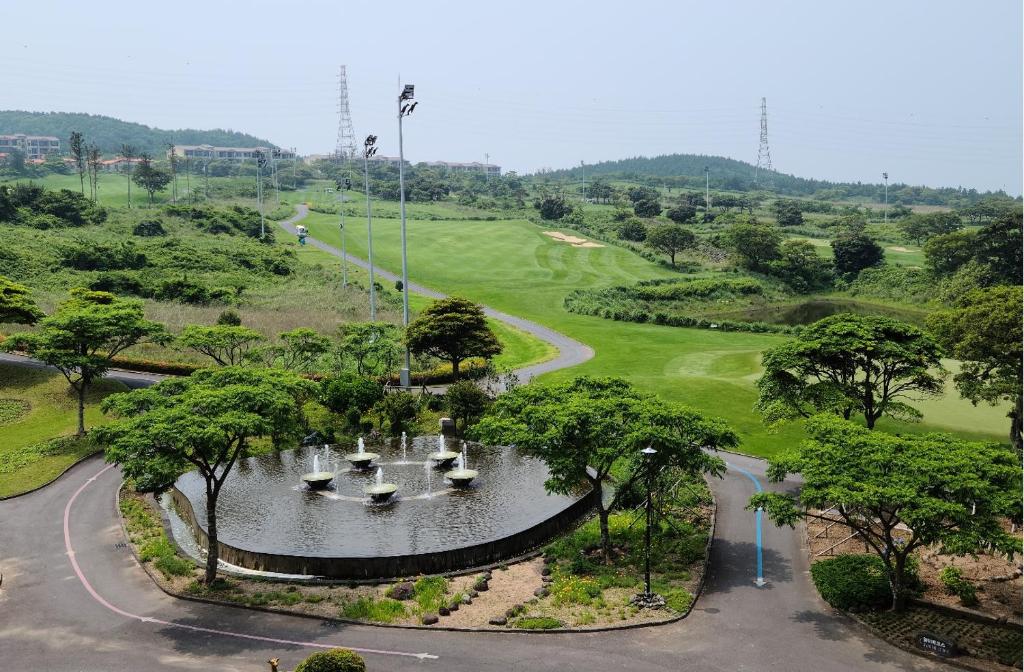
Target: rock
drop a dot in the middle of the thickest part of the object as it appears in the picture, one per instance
(402, 591)
(546, 579)
(548, 560)
(488, 576)
(498, 620)
(454, 606)
(429, 619)
(466, 599)
(541, 592)
(509, 613)
(473, 594)
(482, 586)
(546, 571)
(443, 611)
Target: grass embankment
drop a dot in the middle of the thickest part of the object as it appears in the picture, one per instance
(513, 267)
(38, 416)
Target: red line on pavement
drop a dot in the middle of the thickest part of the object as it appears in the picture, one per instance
(146, 619)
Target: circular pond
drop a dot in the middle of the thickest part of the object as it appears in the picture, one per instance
(268, 519)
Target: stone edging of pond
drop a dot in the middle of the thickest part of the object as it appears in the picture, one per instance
(346, 621)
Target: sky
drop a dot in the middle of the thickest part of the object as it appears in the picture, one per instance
(929, 91)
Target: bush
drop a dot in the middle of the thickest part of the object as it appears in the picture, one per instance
(633, 229)
(397, 410)
(229, 318)
(536, 623)
(369, 609)
(334, 660)
(148, 228)
(857, 582)
(350, 392)
(953, 580)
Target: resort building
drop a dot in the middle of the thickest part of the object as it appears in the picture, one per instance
(211, 153)
(32, 146)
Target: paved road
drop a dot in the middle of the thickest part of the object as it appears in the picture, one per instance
(570, 351)
(73, 600)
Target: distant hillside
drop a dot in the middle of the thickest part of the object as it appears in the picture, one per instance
(687, 171)
(109, 133)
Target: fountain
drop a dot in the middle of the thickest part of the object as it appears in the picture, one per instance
(318, 479)
(404, 460)
(380, 491)
(443, 458)
(461, 476)
(426, 467)
(361, 459)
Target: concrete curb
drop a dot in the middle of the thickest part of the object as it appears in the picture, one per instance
(55, 478)
(345, 621)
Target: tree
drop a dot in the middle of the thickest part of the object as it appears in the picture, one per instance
(452, 329)
(586, 427)
(374, 348)
(84, 335)
(300, 349)
(984, 332)
(899, 493)
(350, 395)
(94, 159)
(788, 213)
(755, 243)
(681, 213)
(1000, 247)
(945, 254)
(553, 207)
(204, 421)
(637, 194)
(918, 228)
(397, 410)
(227, 345)
(16, 161)
(801, 267)
(854, 252)
(648, 207)
(633, 229)
(76, 145)
(848, 364)
(128, 153)
(149, 177)
(465, 402)
(671, 239)
(16, 304)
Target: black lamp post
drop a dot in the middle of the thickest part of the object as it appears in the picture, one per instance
(649, 454)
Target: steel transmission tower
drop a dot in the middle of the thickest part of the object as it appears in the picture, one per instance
(346, 147)
(764, 155)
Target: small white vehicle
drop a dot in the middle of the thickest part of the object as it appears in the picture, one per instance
(301, 230)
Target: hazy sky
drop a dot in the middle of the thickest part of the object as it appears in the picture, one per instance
(929, 91)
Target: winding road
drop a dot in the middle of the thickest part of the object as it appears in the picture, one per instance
(73, 599)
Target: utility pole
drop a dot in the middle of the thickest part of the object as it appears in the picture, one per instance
(343, 186)
(707, 192)
(487, 161)
(764, 155)
(368, 151)
(405, 108)
(583, 178)
(885, 208)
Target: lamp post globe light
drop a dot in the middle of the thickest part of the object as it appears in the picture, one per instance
(405, 108)
(648, 599)
(369, 149)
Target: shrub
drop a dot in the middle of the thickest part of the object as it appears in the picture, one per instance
(229, 318)
(350, 392)
(397, 410)
(536, 623)
(334, 660)
(856, 582)
(148, 228)
(633, 229)
(953, 580)
(430, 593)
(369, 609)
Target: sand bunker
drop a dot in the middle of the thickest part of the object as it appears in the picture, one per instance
(897, 248)
(572, 240)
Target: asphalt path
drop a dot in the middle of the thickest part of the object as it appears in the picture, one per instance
(72, 598)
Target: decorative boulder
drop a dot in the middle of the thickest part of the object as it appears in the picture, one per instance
(498, 620)
(402, 591)
(429, 619)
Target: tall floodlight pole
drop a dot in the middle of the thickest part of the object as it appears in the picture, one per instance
(405, 108)
(707, 192)
(583, 179)
(885, 208)
(368, 151)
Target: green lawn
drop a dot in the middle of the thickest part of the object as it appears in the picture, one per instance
(512, 266)
(35, 407)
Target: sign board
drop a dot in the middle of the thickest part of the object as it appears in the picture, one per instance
(937, 644)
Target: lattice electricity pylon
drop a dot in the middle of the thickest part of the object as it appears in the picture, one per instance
(346, 147)
(764, 155)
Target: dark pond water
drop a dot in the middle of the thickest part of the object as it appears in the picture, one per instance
(265, 507)
(809, 312)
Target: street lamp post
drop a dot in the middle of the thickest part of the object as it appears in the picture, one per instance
(648, 453)
(405, 108)
(261, 162)
(369, 150)
(583, 179)
(885, 208)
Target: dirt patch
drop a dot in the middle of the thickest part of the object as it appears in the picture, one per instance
(507, 588)
(897, 248)
(997, 579)
(575, 241)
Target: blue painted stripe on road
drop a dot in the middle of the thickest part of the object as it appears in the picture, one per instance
(757, 518)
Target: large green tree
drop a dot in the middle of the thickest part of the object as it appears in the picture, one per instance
(851, 364)
(755, 243)
(465, 402)
(16, 304)
(149, 177)
(984, 332)
(453, 329)
(371, 348)
(899, 494)
(670, 239)
(225, 344)
(854, 252)
(83, 336)
(586, 427)
(920, 227)
(205, 421)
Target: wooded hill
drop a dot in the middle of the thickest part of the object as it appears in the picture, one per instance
(109, 133)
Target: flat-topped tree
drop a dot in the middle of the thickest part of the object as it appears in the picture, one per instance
(584, 428)
(453, 329)
(16, 304)
(851, 364)
(84, 335)
(899, 493)
(225, 344)
(204, 421)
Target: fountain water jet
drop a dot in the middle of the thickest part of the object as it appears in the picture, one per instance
(361, 459)
(461, 476)
(380, 491)
(443, 458)
(318, 479)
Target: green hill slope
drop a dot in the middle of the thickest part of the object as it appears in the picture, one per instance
(109, 133)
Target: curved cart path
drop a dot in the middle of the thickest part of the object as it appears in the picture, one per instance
(570, 351)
